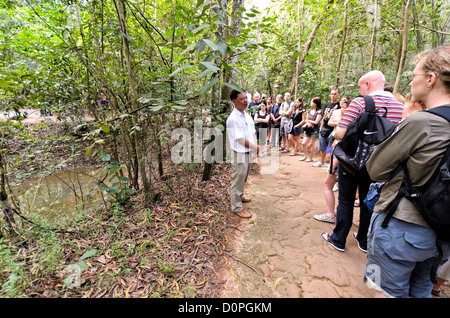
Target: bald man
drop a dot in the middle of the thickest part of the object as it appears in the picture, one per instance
(371, 84)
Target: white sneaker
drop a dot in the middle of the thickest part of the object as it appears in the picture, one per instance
(335, 187)
(318, 164)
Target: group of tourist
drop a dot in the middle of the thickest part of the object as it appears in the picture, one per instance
(400, 256)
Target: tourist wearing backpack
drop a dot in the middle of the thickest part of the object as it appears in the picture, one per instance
(402, 252)
(371, 84)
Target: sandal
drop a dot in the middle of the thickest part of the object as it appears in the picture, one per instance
(293, 154)
(302, 159)
(308, 160)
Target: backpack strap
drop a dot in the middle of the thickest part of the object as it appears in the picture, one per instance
(443, 111)
(400, 194)
(369, 103)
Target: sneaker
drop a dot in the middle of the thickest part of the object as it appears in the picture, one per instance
(359, 245)
(318, 164)
(325, 218)
(327, 239)
(335, 187)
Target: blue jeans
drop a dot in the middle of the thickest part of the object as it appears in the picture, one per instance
(324, 142)
(400, 257)
(348, 184)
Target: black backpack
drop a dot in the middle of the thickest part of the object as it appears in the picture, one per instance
(363, 134)
(432, 199)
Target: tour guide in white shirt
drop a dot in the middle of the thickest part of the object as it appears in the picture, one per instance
(241, 134)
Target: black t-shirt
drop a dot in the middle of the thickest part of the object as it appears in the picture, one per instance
(298, 117)
(328, 112)
(262, 125)
(253, 108)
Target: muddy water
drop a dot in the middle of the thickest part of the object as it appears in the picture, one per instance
(60, 193)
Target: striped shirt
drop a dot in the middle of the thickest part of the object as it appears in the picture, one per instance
(381, 99)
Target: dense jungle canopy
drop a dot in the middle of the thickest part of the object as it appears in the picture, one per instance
(162, 64)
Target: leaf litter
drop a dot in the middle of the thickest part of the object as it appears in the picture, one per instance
(175, 247)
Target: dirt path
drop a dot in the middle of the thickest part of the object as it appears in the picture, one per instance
(34, 116)
(282, 241)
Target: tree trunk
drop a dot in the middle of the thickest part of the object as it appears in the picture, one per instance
(300, 11)
(417, 31)
(341, 53)
(405, 33)
(305, 51)
(373, 40)
(225, 92)
(236, 24)
(4, 204)
(121, 12)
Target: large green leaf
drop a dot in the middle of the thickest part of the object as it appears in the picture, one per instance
(88, 254)
(208, 86)
(210, 66)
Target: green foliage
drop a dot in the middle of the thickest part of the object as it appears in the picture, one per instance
(116, 184)
(277, 64)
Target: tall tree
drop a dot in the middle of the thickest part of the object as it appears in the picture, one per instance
(235, 26)
(121, 14)
(300, 13)
(306, 49)
(373, 40)
(341, 51)
(405, 34)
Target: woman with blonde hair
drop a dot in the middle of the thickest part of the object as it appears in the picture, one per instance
(401, 255)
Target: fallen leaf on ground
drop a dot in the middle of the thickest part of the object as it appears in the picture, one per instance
(276, 282)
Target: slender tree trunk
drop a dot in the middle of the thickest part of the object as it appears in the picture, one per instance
(236, 24)
(373, 40)
(225, 90)
(87, 98)
(300, 11)
(400, 44)
(308, 44)
(341, 53)
(120, 6)
(405, 34)
(417, 31)
(4, 204)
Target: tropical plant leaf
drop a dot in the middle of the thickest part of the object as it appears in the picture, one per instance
(88, 254)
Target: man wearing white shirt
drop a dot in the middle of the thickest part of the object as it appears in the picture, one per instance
(241, 134)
